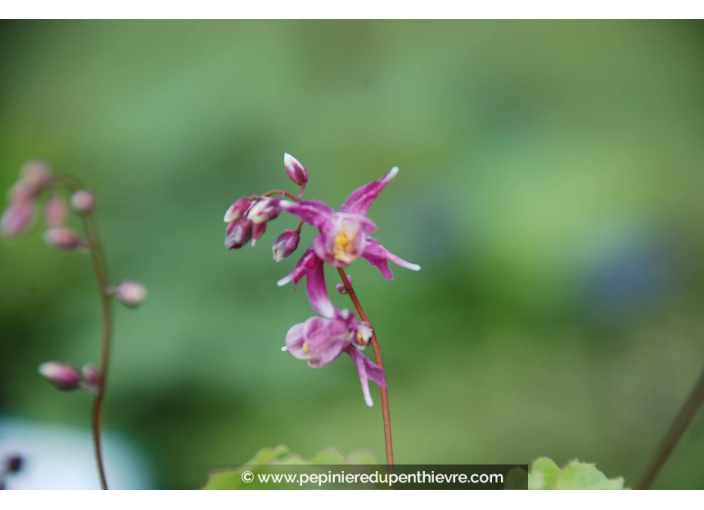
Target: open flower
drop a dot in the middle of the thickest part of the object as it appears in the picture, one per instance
(344, 235)
(320, 341)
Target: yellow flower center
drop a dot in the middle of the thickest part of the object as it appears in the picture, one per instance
(344, 246)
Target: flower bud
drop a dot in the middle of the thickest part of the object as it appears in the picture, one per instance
(264, 210)
(13, 463)
(238, 233)
(36, 176)
(55, 212)
(285, 244)
(17, 218)
(63, 238)
(83, 201)
(130, 293)
(91, 378)
(63, 376)
(341, 286)
(295, 170)
(257, 232)
(237, 209)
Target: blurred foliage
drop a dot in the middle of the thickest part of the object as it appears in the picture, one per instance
(550, 188)
(546, 475)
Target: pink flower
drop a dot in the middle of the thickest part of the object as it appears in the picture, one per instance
(17, 218)
(285, 244)
(320, 341)
(296, 172)
(344, 238)
(62, 375)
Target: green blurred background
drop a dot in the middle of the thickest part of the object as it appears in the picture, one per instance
(551, 189)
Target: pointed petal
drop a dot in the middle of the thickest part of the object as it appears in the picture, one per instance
(317, 293)
(366, 370)
(312, 212)
(378, 256)
(361, 199)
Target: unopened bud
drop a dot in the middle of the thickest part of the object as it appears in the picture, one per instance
(91, 378)
(13, 463)
(237, 209)
(265, 209)
(17, 218)
(83, 201)
(62, 375)
(36, 176)
(238, 233)
(285, 244)
(341, 286)
(257, 232)
(130, 293)
(63, 238)
(295, 170)
(55, 212)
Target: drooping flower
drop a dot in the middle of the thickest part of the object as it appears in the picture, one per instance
(320, 341)
(237, 209)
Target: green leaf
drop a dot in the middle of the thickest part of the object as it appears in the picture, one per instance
(546, 475)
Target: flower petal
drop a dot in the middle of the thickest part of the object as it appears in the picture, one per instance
(378, 256)
(359, 201)
(312, 212)
(366, 370)
(311, 267)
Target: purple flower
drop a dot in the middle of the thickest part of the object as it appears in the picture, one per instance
(83, 201)
(295, 170)
(344, 235)
(320, 341)
(344, 238)
(285, 244)
(64, 238)
(258, 230)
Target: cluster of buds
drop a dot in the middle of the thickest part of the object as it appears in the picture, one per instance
(37, 179)
(11, 465)
(247, 217)
(344, 237)
(67, 377)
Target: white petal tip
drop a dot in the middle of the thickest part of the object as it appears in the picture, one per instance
(392, 173)
(284, 348)
(368, 400)
(285, 204)
(283, 281)
(413, 267)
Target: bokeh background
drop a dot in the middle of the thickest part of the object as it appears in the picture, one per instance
(551, 189)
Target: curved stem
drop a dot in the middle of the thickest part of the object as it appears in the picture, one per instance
(101, 275)
(380, 362)
(277, 191)
(674, 434)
